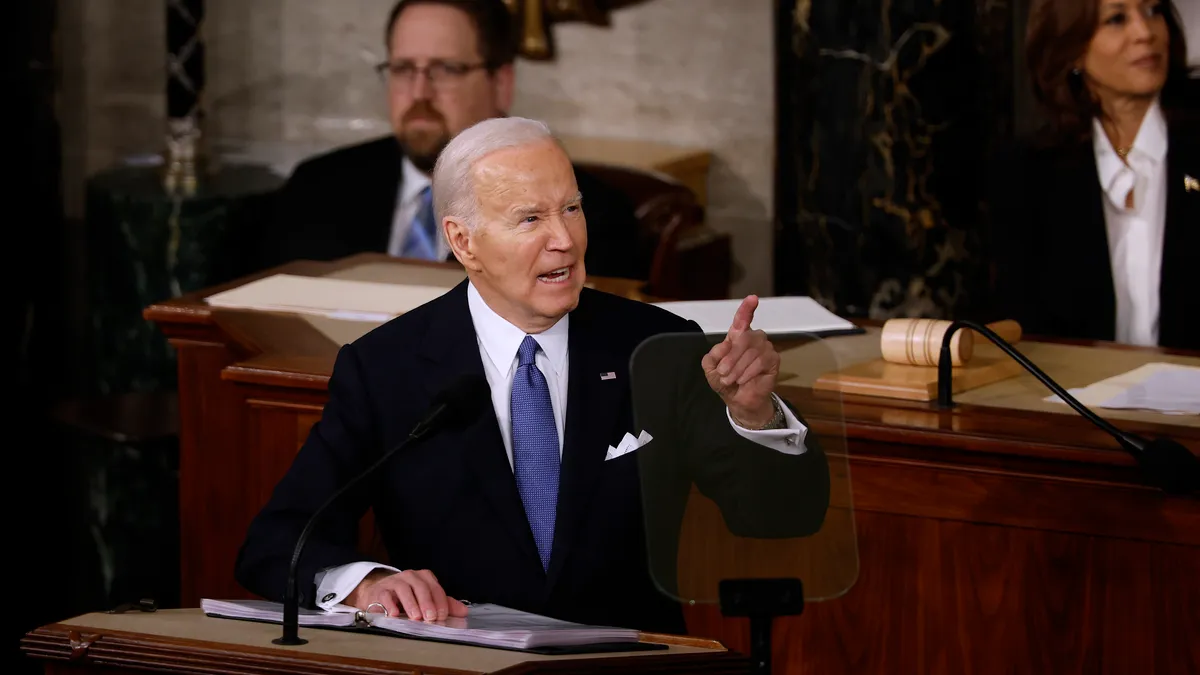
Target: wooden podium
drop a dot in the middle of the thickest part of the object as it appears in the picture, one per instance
(186, 641)
(1004, 535)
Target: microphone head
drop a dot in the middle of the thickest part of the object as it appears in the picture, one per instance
(462, 402)
(1170, 466)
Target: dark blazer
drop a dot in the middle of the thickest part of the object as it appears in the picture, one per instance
(343, 202)
(1053, 273)
(451, 503)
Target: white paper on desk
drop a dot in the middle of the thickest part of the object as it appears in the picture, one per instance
(336, 298)
(775, 316)
(1162, 387)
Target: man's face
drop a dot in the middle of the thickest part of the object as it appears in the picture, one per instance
(525, 253)
(437, 85)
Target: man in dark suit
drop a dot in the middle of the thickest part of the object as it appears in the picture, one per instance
(521, 507)
(450, 65)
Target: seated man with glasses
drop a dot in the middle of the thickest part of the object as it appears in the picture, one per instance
(450, 66)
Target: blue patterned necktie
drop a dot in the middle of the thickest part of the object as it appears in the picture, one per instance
(535, 447)
(421, 241)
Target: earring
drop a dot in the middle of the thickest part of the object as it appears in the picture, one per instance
(1075, 82)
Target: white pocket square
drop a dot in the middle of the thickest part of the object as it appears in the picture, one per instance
(627, 445)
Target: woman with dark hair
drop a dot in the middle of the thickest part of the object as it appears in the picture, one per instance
(1096, 224)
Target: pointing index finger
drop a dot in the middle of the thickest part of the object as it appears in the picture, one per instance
(744, 315)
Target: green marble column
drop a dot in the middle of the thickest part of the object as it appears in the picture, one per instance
(146, 245)
(888, 112)
(124, 529)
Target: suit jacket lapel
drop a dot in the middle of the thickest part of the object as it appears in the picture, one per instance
(379, 201)
(1181, 239)
(594, 409)
(452, 348)
(1086, 234)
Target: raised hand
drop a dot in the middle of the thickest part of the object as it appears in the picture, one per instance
(743, 367)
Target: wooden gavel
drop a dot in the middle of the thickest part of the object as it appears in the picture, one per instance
(918, 342)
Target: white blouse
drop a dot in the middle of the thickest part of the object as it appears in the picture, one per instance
(1135, 235)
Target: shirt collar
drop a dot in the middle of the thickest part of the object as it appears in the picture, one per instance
(1150, 145)
(501, 339)
(412, 181)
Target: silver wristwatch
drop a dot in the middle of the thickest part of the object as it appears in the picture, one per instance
(776, 421)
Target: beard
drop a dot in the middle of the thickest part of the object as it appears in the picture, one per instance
(423, 146)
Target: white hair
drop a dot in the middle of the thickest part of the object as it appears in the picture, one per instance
(453, 187)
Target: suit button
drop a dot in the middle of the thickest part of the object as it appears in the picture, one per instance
(328, 597)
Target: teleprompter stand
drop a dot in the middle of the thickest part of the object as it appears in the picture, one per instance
(761, 600)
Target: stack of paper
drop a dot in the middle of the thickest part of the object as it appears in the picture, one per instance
(775, 316)
(263, 610)
(335, 298)
(497, 626)
(484, 625)
(1162, 387)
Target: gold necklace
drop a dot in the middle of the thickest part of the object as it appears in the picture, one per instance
(1123, 152)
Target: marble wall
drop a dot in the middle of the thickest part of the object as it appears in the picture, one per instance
(895, 105)
(291, 77)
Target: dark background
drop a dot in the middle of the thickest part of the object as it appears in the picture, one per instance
(37, 548)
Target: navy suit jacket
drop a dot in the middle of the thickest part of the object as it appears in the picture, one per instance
(450, 504)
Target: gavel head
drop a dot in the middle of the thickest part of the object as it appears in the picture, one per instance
(918, 342)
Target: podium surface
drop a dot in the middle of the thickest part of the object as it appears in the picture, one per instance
(187, 641)
(1005, 534)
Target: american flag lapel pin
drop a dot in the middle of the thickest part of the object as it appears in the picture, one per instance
(1191, 184)
(608, 376)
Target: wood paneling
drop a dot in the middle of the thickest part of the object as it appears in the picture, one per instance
(946, 597)
(213, 494)
(989, 540)
(915, 383)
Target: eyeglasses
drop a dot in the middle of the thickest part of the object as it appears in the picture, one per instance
(442, 75)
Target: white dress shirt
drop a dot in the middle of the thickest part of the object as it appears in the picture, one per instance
(1135, 235)
(408, 202)
(499, 341)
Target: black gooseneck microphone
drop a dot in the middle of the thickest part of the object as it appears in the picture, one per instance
(456, 406)
(1167, 464)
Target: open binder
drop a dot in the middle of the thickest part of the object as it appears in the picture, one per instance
(486, 625)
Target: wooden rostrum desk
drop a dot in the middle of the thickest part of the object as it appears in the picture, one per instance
(1005, 535)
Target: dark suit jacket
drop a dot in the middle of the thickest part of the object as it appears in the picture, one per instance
(343, 202)
(450, 504)
(1050, 246)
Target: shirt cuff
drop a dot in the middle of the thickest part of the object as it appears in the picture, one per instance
(335, 583)
(789, 440)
